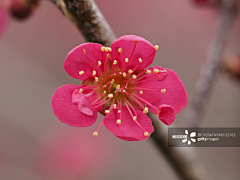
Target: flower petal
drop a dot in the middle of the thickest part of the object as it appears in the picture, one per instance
(134, 47)
(78, 61)
(128, 130)
(166, 114)
(66, 111)
(173, 92)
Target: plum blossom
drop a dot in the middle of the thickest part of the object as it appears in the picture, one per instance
(116, 83)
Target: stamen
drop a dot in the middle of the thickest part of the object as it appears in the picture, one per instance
(118, 86)
(140, 60)
(110, 49)
(158, 112)
(149, 71)
(124, 74)
(126, 60)
(107, 111)
(95, 133)
(156, 71)
(130, 71)
(120, 50)
(134, 76)
(108, 55)
(145, 110)
(163, 90)
(94, 73)
(110, 95)
(114, 106)
(146, 134)
(156, 47)
(96, 79)
(102, 48)
(146, 102)
(141, 92)
(115, 62)
(119, 111)
(99, 63)
(81, 90)
(81, 72)
(84, 51)
(118, 121)
(134, 118)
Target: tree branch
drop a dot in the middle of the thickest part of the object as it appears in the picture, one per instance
(88, 19)
(210, 70)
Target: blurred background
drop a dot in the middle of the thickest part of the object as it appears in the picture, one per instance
(35, 145)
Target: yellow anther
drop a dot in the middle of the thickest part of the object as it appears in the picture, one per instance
(95, 133)
(141, 92)
(108, 55)
(80, 90)
(113, 80)
(140, 60)
(156, 47)
(114, 74)
(145, 110)
(96, 79)
(102, 48)
(114, 106)
(94, 73)
(84, 51)
(158, 112)
(165, 70)
(124, 90)
(130, 71)
(118, 86)
(110, 49)
(107, 111)
(99, 63)
(118, 121)
(134, 76)
(156, 71)
(126, 60)
(120, 72)
(163, 90)
(124, 74)
(115, 62)
(134, 118)
(146, 134)
(104, 92)
(149, 71)
(120, 50)
(119, 111)
(81, 72)
(110, 95)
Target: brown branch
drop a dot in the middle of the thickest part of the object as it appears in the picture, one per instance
(184, 160)
(210, 70)
(88, 19)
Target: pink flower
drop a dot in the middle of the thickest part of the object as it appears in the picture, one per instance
(116, 83)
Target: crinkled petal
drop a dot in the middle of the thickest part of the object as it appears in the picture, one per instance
(66, 111)
(134, 47)
(175, 95)
(166, 114)
(128, 129)
(77, 60)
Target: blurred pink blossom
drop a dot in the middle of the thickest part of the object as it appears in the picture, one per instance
(70, 153)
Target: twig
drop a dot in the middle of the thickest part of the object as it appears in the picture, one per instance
(184, 160)
(88, 19)
(210, 69)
